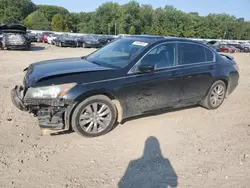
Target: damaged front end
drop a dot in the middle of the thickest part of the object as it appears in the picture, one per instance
(53, 114)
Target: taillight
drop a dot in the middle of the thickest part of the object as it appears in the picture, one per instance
(236, 67)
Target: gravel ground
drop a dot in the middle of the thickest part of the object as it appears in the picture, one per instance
(186, 148)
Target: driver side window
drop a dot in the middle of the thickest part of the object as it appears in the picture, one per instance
(161, 56)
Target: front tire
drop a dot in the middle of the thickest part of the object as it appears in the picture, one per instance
(94, 117)
(215, 96)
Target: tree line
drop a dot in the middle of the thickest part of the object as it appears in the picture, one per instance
(131, 18)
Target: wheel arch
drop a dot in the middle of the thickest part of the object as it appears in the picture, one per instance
(69, 111)
(224, 79)
(114, 99)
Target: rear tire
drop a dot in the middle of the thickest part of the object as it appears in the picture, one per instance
(215, 96)
(95, 116)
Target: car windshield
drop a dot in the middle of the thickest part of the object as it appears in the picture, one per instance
(96, 36)
(117, 54)
(89, 37)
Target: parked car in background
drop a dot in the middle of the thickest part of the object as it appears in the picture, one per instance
(65, 41)
(128, 77)
(32, 37)
(45, 36)
(39, 37)
(51, 38)
(123, 35)
(88, 41)
(1, 37)
(14, 36)
(234, 48)
(241, 47)
(215, 47)
(104, 39)
(226, 49)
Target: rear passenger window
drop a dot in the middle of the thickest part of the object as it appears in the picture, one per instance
(209, 55)
(191, 53)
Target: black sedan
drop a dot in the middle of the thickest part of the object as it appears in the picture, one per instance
(104, 39)
(87, 41)
(128, 77)
(65, 41)
(32, 37)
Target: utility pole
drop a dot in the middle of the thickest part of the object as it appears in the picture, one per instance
(109, 29)
(115, 28)
(224, 36)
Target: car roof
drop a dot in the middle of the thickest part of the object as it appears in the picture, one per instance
(158, 39)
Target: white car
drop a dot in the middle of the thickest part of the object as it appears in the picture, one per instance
(51, 38)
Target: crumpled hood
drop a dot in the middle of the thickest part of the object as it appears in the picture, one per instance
(44, 69)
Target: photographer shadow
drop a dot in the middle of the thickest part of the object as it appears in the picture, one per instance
(152, 170)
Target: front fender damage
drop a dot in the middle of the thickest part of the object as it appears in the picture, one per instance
(53, 114)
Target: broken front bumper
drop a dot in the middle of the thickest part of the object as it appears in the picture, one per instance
(17, 98)
(52, 114)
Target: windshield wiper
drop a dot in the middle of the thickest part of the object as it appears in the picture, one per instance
(103, 64)
(95, 63)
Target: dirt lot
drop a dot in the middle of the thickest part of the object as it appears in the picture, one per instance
(197, 148)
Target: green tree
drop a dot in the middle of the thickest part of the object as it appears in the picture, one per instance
(146, 18)
(132, 30)
(50, 11)
(88, 23)
(37, 21)
(58, 23)
(107, 16)
(158, 21)
(134, 18)
(15, 10)
(131, 15)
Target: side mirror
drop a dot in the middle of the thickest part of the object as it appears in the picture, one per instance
(146, 68)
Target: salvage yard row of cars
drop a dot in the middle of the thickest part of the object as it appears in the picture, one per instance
(97, 41)
(229, 47)
(66, 40)
(16, 36)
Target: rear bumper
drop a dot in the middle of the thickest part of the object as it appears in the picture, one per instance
(18, 47)
(67, 44)
(233, 82)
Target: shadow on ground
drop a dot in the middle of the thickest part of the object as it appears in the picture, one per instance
(37, 48)
(152, 170)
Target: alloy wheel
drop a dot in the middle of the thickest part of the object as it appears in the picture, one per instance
(217, 95)
(95, 118)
